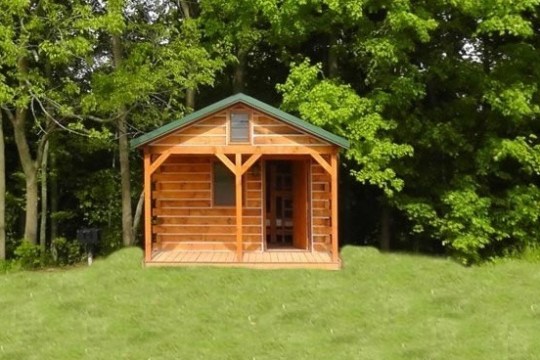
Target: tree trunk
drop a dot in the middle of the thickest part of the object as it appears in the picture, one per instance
(54, 197)
(385, 228)
(190, 93)
(123, 150)
(333, 65)
(190, 98)
(138, 214)
(2, 192)
(239, 72)
(30, 173)
(43, 223)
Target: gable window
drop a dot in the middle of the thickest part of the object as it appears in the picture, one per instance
(223, 185)
(239, 127)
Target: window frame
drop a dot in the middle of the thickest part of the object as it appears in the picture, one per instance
(230, 126)
(213, 183)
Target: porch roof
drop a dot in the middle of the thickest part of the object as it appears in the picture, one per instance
(248, 100)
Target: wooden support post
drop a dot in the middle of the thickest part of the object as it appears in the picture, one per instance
(322, 162)
(334, 207)
(249, 162)
(147, 207)
(228, 163)
(160, 160)
(238, 175)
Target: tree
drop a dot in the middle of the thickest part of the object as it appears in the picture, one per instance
(38, 37)
(2, 192)
(146, 65)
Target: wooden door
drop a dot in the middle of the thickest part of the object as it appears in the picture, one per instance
(287, 204)
(279, 204)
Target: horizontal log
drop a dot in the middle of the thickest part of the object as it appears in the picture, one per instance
(321, 195)
(265, 120)
(218, 119)
(231, 238)
(229, 211)
(191, 140)
(182, 176)
(186, 168)
(320, 186)
(204, 229)
(275, 130)
(253, 194)
(325, 239)
(188, 159)
(320, 178)
(253, 185)
(249, 176)
(322, 247)
(322, 230)
(182, 185)
(251, 203)
(182, 195)
(320, 204)
(285, 140)
(320, 221)
(321, 212)
(204, 130)
(208, 220)
(184, 204)
(318, 170)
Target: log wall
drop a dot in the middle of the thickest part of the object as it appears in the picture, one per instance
(184, 216)
(321, 207)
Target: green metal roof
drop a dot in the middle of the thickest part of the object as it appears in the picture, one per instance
(248, 100)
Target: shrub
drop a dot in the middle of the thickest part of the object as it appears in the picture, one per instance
(66, 252)
(29, 256)
(8, 266)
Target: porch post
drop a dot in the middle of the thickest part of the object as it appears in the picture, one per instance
(334, 206)
(147, 207)
(238, 176)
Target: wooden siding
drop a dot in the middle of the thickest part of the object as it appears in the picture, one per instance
(321, 207)
(210, 131)
(183, 213)
(268, 131)
(214, 131)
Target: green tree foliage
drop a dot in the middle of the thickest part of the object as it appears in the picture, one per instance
(440, 100)
(339, 108)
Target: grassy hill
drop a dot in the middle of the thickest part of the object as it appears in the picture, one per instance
(380, 306)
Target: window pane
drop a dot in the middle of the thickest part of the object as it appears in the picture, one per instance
(239, 127)
(224, 185)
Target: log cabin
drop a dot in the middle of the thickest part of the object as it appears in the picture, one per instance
(241, 183)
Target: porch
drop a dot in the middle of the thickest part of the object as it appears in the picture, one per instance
(272, 259)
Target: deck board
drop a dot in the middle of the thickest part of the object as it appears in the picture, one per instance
(254, 259)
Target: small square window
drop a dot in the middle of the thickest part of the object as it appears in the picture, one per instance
(239, 127)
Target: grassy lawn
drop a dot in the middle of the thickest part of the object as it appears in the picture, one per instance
(380, 306)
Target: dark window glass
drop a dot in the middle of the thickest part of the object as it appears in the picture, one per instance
(239, 127)
(224, 185)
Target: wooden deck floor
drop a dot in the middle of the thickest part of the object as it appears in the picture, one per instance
(279, 259)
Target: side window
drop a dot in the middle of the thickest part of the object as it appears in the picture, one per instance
(223, 185)
(239, 127)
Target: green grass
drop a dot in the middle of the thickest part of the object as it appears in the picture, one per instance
(380, 306)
